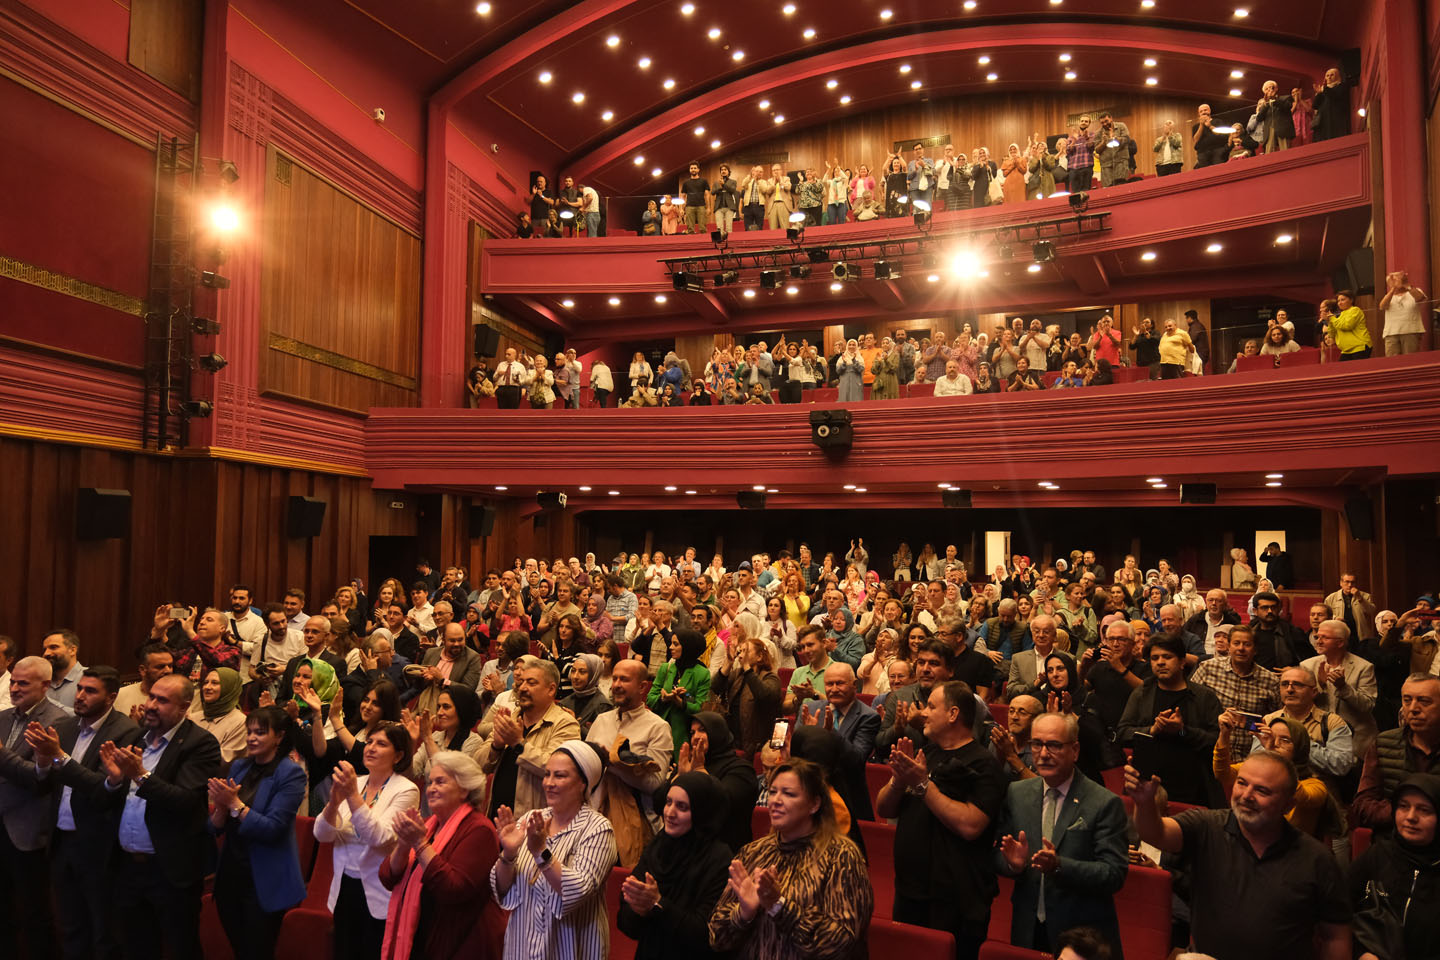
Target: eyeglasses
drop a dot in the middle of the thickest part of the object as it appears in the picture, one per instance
(1053, 746)
(1295, 683)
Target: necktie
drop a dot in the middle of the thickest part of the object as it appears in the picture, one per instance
(17, 727)
(1047, 830)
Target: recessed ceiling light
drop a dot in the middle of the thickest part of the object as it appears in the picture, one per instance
(970, 4)
(763, 104)
(689, 493)
(1237, 74)
(607, 116)
(639, 161)
(714, 33)
(809, 33)
(1154, 479)
(914, 84)
(933, 278)
(1070, 74)
(643, 63)
(1056, 3)
(792, 289)
(1151, 81)
(1214, 248)
(656, 171)
(831, 84)
(714, 144)
(669, 83)
(886, 14)
(1148, 255)
(1274, 483)
(483, 9)
(1147, 4)
(758, 488)
(614, 301)
(845, 99)
(859, 489)
(1150, 61)
(749, 293)
(577, 97)
(788, 9)
(660, 298)
(687, 8)
(614, 493)
(738, 55)
(779, 118)
(836, 287)
(1237, 92)
(583, 489)
(1047, 483)
(546, 76)
(1274, 476)
(992, 77)
(671, 489)
(984, 60)
(772, 490)
(612, 41)
(1033, 268)
(567, 304)
(502, 488)
(1284, 238)
(699, 131)
(1159, 486)
(1240, 12)
(1064, 58)
(849, 486)
(904, 68)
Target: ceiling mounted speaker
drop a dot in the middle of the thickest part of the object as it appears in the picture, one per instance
(305, 517)
(1197, 493)
(955, 499)
(831, 429)
(750, 499)
(550, 501)
(102, 514)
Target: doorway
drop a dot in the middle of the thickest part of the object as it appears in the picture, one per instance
(392, 557)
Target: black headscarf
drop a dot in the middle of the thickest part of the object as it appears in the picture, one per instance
(736, 776)
(1075, 688)
(692, 648)
(667, 856)
(1429, 785)
(467, 711)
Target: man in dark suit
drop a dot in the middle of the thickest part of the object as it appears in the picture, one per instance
(67, 757)
(25, 812)
(1063, 839)
(857, 723)
(452, 661)
(159, 787)
(316, 633)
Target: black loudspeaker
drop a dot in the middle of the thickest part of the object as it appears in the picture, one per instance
(831, 428)
(305, 517)
(482, 521)
(955, 499)
(487, 341)
(1350, 66)
(1360, 517)
(1360, 270)
(1197, 493)
(102, 514)
(750, 499)
(550, 501)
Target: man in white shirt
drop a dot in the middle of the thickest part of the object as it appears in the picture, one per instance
(646, 763)
(156, 661)
(7, 657)
(277, 646)
(421, 615)
(572, 363)
(294, 606)
(510, 378)
(244, 627)
(954, 383)
(590, 210)
(750, 599)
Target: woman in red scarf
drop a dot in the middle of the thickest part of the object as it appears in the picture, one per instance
(439, 871)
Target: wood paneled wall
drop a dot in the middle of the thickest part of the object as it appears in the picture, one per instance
(512, 334)
(1130, 314)
(989, 121)
(338, 277)
(165, 42)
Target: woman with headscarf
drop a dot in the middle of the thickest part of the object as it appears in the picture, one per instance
(1062, 692)
(886, 368)
(218, 711)
(452, 727)
(682, 684)
(1395, 884)
(750, 689)
(849, 645)
(596, 619)
(711, 749)
(1288, 738)
(586, 701)
(850, 372)
(1190, 600)
(553, 864)
(1242, 575)
(666, 901)
(258, 877)
(440, 907)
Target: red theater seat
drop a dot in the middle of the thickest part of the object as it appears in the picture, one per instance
(759, 822)
(1050, 378)
(1246, 364)
(867, 698)
(880, 851)
(825, 394)
(785, 673)
(1000, 713)
(1115, 780)
(621, 946)
(876, 776)
(922, 390)
(1144, 906)
(1304, 357)
(1001, 950)
(1000, 912)
(1360, 839)
(890, 939)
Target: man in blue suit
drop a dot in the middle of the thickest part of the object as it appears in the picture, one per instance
(855, 721)
(1063, 840)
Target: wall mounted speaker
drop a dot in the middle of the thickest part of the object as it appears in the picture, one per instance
(831, 428)
(102, 514)
(487, 341)
(550, 501)
(482, 520)
(1197, 493)
(750, 499)
(1360, 517)
(955, 499)
(305, 517)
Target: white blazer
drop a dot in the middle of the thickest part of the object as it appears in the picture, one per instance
(364, 839)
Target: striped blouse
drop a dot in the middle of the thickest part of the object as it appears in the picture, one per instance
(572, 923)
(828, 901)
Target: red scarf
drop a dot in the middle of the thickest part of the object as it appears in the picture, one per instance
(403, 917)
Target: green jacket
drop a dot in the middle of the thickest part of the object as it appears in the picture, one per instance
(696, 681)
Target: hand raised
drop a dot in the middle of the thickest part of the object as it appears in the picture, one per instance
(1015, 851)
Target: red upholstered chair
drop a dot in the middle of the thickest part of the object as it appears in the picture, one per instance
(1114, 779)
(212, 936)
(1001, 950)
(1360, 839)
(621, 946)
(880, 850)
(1000, 911)
(785, 673)
(922, 390)
(1144, 906)
(867, 698)
(759, 822)
(824, 394)
(486, 403)
(876, 776)
(1246, 364)
(623, 648)
(1050, 378)
(305, 844)
(1000, 712)
(1304, 357)
(890, 939)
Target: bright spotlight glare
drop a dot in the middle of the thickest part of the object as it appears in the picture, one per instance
(225, 218)
(965, 265)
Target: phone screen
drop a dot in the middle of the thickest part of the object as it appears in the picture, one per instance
(777, 735)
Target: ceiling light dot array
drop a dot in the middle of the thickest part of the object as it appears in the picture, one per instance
(545, 76)
(714, 33)
(845, 99)
(643, 63)
(607, 116)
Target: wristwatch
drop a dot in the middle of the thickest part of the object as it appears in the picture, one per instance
(546, 857)
(920, 789)
(775, 907)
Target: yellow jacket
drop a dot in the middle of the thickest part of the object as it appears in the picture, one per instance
(1351, 333)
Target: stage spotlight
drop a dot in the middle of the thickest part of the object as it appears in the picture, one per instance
(818, 256)
(224, 218)
(1004, 252)
(794, 234)
(687, 282)
(717, 237)
(929, 261)
(209, 278)
(845, 271)
(1079, 202)
(211, 362)
(1044, 251)
(727, 276)
(800, 271)
(797, 217)
(903, 198)
(190, 409)
(769, 279)
(965, 265)
(204, 327)
(228, 171)
(887, 270)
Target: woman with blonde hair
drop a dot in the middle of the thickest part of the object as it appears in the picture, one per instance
(391, 591)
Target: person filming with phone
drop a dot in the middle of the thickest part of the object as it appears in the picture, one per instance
(1240, 686)
(1171, 725)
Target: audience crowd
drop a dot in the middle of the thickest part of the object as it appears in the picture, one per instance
(478, 758)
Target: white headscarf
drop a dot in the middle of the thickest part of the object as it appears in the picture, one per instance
(587, 761)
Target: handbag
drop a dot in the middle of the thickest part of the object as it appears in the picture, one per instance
(996, 191)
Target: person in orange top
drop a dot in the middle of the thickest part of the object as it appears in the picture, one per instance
(868, 352)
(1289, 738)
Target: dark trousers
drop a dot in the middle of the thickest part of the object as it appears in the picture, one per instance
(754, 214)
(601, 396)
(1170, 371)
(508, 398)
(1358, 354)
(357, 934)
(1078, 181)
(157, 918)
(252, 931)
(944, 914)
(1165, 169)
(25, 890)
(87, 928)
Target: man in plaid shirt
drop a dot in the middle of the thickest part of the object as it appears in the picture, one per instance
(1080, 158)
(1239, 684)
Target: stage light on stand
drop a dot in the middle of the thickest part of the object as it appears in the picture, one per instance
(1043, 251)
(209, 278)
(1079, 202)
(211, 362)
(727, 277)
(921, 210)
(687, 282)
(769, 279)
(800, 271)
(965, 265)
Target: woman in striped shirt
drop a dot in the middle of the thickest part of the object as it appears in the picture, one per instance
(553, 864)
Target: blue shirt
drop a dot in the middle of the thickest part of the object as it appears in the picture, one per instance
(134, 833)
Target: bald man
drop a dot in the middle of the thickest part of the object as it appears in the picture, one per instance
(646, 763)
(857, 723)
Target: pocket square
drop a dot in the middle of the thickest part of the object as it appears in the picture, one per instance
(1079, 824)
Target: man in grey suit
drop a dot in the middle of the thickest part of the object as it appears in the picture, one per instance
(460, 666)
(67, 755)
(857, 723)
(25, 812)
(1027, 668)
(1063, 839)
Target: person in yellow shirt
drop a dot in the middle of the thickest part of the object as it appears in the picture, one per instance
(1352, 335)
(1175, 350)
(1289, 738)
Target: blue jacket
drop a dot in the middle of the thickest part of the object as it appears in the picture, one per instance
(269, 834)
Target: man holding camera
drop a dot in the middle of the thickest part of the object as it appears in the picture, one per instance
(1239, 685)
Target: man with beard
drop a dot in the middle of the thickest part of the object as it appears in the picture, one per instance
(245, 628)
(522, 740)
(62, 648)
(1259, 887)
(1277, 643)
(1180, 719)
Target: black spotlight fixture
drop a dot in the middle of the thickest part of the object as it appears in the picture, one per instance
(687, 282)
(845, 271)
(1003, 252)
(929, 262)
(204, 327)
(921, 212)
(1079, 202)
(195, 409)
(794, 234)
(818, 255)
(769, 279)
(209, 278)
(887, 270)
(228, 171)
(800, 271)
(1043, 251)
(717, 237)
(727, 276)
(211, 362)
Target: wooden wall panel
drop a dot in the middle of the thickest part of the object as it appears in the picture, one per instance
(165, 42)
(990, 121)
(338, 277)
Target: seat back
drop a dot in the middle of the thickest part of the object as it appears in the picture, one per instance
(1360, 839)
(759, 822)
(1000, 712)
(890, 939)
(876, 776)
(1143, 907)
(880, 851)
(922, 390)
(305, 844)
(1002, 950)
(317, 889)
(621, 946)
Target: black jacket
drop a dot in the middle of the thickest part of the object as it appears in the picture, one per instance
(1197, 627)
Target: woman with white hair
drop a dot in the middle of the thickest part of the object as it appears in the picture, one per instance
(440, 906)
(553, 864)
